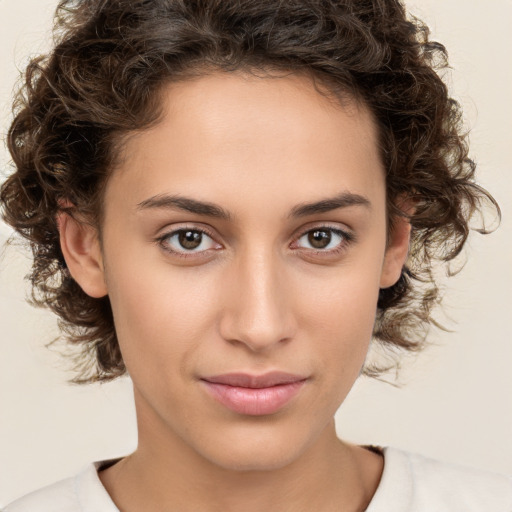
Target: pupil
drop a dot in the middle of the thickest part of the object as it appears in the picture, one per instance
(319, 239)
(190, 239)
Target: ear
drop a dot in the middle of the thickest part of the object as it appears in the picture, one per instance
(397, 248)
(81, 249)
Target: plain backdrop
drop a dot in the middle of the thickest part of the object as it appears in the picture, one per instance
(455, 403)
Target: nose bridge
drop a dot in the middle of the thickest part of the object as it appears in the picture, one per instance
(259, 314)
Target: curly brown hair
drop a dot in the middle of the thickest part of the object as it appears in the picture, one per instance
(102, 80)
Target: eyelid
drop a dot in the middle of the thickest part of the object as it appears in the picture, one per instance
(184, 254)
(347, 237)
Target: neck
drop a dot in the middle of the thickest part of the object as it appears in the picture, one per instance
(164, 473)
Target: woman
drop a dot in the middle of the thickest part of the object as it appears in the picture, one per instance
(228, 200)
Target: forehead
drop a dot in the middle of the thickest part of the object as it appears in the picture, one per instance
(234, 134)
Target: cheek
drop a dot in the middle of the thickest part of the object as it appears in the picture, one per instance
(164, 313)
(346, 301)
(161, 313)
(342, 313)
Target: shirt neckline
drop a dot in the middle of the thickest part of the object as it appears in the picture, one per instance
(92, 494)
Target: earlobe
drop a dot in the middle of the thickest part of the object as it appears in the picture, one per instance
(396, 252)
(81, 249)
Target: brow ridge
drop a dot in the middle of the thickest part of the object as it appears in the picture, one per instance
(177, 201)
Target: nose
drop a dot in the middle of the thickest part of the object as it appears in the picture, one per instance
(258, 310)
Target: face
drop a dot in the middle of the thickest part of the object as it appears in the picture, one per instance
(210, 301)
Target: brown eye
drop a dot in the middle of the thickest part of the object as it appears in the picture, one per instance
(189, 239)
(325, 239)
(319, 239)
(187, 242)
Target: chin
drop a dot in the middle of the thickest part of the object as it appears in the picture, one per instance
(258, 460)
(259, 449)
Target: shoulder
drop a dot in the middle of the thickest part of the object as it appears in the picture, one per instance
(454, 481)
(57, 497)
(83, 492)
(414, 483)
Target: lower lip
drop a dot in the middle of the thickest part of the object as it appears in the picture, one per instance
(254, 401)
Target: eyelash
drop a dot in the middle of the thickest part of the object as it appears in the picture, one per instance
(347, 238)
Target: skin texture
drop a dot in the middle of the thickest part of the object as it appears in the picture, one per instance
(252, 297)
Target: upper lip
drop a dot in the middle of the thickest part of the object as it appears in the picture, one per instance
(246, 380)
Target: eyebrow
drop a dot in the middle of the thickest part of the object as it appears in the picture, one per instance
(179, 202)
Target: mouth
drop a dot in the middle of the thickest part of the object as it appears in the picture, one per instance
(254, 395)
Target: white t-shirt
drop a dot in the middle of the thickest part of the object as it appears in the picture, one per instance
(409, 483)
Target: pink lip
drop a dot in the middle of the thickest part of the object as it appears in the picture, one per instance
(254, 395)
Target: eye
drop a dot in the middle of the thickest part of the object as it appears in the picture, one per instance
(325, 239)
(187, 242)
(192, 242)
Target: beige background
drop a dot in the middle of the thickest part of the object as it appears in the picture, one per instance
(456, 401)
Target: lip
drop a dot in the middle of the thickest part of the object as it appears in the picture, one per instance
(254, 395)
